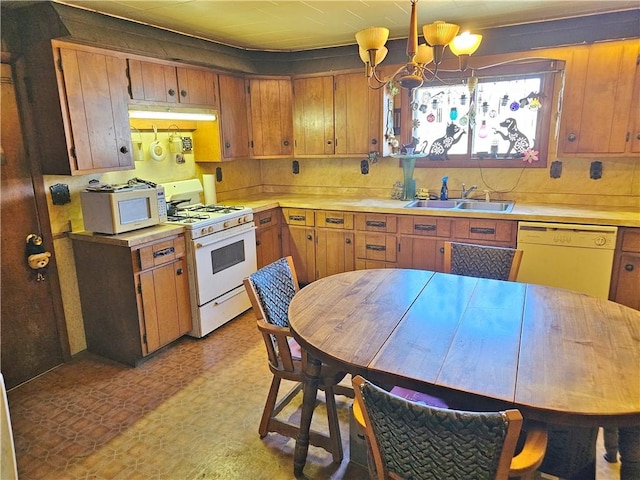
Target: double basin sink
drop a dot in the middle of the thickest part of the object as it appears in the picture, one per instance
(463, 204)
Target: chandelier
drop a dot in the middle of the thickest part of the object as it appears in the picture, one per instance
(415, 72)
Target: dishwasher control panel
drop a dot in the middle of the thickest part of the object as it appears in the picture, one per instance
(567, 234)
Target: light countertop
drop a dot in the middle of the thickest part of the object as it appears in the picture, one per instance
(584, 214)
(130, 239)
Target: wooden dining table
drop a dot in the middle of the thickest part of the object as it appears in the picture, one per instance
(558, 356)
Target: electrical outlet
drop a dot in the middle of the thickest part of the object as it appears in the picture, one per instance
(595, 171)
(218, 174)
(556, 169)
(364, 167)
(295, 167)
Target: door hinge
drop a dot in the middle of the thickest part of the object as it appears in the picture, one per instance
(144, 338)
(140, 288)
(59, 65)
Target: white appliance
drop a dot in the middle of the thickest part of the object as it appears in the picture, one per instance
(574, 257)
(221, 252)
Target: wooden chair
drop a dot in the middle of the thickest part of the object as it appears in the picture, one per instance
(270, 290)
(417, 441)
(482, 261)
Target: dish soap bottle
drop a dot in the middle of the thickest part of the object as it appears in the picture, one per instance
(444, 191)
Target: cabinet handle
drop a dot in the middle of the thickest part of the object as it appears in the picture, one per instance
(572, 137)
(124, 149)
(334, 221)
(375, 223)
(441, 249)
(171, 92)
(377, 248)
(374, 141)
(348, 241)
(265, 220)
(299, 218)
(424, 228)
(179, 271)
(484, 231)
(183, 93)
(286, 143)
(163, 252)
(629, 267)
(309, 237)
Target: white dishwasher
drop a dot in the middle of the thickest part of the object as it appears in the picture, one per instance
(575, 257)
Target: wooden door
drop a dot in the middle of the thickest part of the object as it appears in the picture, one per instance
(233, 117)
(197, 87)
(153, 82)
(268, 243)
(627, 278)
(299, 242)
(271, 117)
(335, 252)
(358, 112)
(313, 116)
(33, 334)
(421, 253)
(97, 120)
(599, 90)
(165, 301)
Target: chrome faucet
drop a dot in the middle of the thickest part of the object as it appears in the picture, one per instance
(465, 193)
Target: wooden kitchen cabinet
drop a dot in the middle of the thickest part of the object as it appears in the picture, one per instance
(625, 278)
(167, 83)
(270, 104)
(298, 240)
(336, 115)
(268, 237)
(234, 120)
(75, 100)
(335, 246)
(598, 116)
(358, 116)
(134, 300)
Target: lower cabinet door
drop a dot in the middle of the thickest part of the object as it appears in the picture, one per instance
(165, 304)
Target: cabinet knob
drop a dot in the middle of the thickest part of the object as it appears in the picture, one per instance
(572, 137)
(227, 145)
(629, 267)
(258, 243)
(637, 136)
(124, 149)
(328, 142)
(309, 237)
(179, 271)
(441, 249)
(374, 141)
(183, 93)
(171, 92)
(286, 143)
(348, 241)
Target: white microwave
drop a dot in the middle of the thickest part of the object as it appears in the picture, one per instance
(123, 210)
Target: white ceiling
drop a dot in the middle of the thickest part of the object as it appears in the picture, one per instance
(302, 25)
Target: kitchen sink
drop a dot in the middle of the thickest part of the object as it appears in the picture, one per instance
(459, 204)
(432, 204)
(485, 206)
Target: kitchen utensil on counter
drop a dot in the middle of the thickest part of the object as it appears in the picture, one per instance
(156, 149)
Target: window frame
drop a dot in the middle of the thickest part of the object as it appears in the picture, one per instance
(552, 71)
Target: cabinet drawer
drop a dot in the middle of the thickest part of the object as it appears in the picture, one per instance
(373, 246)
(294, 216)
(476, 229)
(161, 252)
(269, 218)
(425, 226)
(377, 223)
(631, 240)
(339, 220)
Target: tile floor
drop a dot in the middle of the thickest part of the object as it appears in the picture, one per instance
(190, 412)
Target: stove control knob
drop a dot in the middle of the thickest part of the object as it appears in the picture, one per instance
(239, 220)
(227, 224)
(203, 231)
(210, 229)
(246, 218)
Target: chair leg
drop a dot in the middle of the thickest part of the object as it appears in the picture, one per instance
(334, 425)
(269, 407)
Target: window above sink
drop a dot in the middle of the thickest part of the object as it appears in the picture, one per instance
(504, 121)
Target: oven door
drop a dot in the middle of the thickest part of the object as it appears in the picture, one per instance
(223, 260)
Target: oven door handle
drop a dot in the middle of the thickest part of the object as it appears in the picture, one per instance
(200, 243)
(228, 295)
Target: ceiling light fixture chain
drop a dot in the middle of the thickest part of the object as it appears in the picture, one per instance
(414, 73)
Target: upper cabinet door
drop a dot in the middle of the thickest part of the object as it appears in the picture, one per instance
(313, 116)
(153, 82)
(197, 87)
(596, 114)
(93, 95)
(358, 112)
(271, 117)
(233, 117)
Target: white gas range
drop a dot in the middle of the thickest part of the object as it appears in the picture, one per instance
(221, 252)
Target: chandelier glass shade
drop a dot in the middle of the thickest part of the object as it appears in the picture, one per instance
(415, 72)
